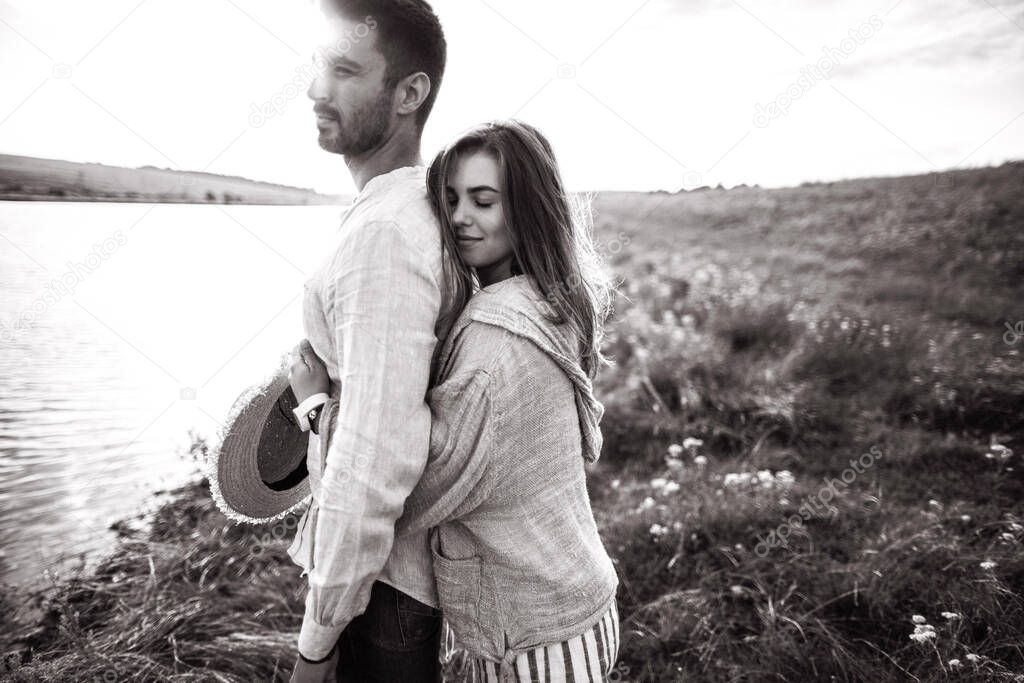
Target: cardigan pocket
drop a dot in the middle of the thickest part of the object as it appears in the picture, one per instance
(458, 590)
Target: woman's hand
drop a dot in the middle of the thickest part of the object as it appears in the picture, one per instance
(307, 375)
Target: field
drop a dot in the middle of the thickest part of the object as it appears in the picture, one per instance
(812, 467)
(33, 179)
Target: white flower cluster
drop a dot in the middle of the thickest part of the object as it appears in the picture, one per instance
(666, 486)
(998, 451)
(761, 479)
(675, 453)
(923, 631)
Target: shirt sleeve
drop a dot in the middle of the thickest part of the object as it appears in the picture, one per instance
(382, 302)
(454, 482)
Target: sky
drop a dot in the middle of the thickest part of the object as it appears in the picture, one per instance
(634, 94)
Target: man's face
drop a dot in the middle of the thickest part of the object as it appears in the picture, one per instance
(353, 108)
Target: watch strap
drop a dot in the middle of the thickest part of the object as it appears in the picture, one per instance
(301, 411)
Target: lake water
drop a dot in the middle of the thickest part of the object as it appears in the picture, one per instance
(122, 328)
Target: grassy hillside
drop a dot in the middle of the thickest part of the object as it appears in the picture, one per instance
(28, 178)
(812, 467)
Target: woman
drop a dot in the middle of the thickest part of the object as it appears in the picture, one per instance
(524, 581)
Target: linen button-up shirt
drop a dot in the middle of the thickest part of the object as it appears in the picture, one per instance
(370, 312)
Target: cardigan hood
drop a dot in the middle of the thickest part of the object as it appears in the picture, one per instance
(516, 305)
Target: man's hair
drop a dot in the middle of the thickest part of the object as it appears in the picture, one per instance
(410, 37)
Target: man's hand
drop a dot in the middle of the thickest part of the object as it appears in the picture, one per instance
(307, 374)
(304, 672)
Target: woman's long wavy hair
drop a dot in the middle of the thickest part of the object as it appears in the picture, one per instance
(551, 231)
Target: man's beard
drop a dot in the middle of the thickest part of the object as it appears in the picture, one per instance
(365, 129)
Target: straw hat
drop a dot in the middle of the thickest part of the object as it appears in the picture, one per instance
(258, 471)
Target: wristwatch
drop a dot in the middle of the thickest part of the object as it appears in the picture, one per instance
(312, 417)
(307, 412)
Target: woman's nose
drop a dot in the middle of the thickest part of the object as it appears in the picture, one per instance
(460, 217)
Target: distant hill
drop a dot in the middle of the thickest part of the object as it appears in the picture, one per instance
(30, 178)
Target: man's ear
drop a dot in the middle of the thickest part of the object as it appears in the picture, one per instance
(412, 92)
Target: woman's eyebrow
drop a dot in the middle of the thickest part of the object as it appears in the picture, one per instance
(482, 188)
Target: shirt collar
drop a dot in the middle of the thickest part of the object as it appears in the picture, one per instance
(383, 181)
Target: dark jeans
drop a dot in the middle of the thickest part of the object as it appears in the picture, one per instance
(396, 640)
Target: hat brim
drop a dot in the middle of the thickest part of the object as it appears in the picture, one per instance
(257, 472)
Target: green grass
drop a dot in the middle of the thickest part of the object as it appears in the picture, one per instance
(792, 330)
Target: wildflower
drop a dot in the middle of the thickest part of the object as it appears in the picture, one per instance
(784, 479)
(670, 487)
(658, 482)
(954, 663)
(935, 504)
(674, 464)
(998, 450)
(987, 564)
(736, 590)
(657, 530)
(783, 501)
(690, 442)
(647, 504)
(965, 518)
(973, 658)
(922, 635)
(675, 450)
(923, 631)
(700, 461)
(733, 479)
(1016, 528)
(1007, 537)
(615, 483)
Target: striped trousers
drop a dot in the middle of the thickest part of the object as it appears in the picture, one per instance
(588, 657)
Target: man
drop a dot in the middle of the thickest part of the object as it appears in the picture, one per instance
(370, 313)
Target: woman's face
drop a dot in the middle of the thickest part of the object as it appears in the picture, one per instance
(474, 194)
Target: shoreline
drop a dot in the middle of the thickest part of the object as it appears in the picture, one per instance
(85, 199)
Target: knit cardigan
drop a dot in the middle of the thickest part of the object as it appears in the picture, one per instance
(516, 552)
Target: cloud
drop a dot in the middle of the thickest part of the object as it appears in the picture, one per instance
(943, 37)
